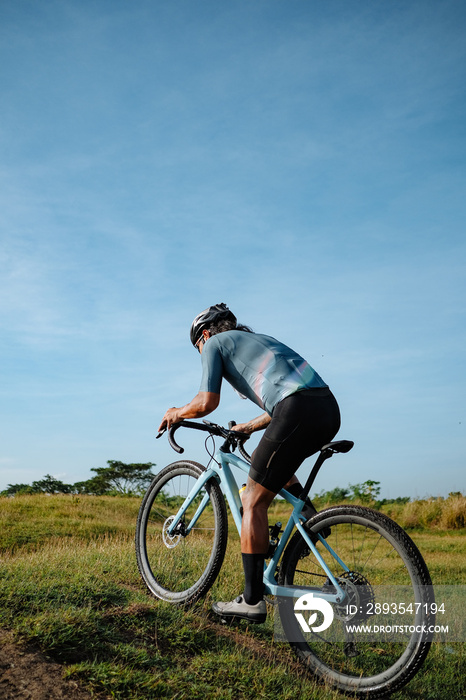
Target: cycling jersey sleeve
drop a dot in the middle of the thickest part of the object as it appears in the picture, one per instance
(212, 367)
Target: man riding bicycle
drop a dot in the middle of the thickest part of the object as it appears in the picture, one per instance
(301, 414)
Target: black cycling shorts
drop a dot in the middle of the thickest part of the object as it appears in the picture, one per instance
(301, 424)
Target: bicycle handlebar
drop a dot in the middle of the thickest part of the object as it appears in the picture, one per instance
(233, 438)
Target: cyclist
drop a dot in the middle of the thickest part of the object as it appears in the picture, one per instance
(301, 414)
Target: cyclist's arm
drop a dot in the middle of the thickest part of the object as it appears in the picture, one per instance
(202, 404)
(251, 426)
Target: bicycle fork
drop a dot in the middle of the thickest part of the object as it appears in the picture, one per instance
(196, 489)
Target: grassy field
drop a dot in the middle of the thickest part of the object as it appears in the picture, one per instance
(69, 583)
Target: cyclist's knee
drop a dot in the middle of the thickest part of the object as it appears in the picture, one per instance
(256, 496)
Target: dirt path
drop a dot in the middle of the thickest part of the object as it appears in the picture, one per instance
(27, 674)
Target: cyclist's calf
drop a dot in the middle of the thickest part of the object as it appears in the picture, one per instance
(255, 526)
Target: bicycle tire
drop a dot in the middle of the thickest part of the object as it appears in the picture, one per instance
(383, 562)
(180, 569)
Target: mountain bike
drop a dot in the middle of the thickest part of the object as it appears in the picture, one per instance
(349, 563)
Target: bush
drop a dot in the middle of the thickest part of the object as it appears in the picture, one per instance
(439, 513)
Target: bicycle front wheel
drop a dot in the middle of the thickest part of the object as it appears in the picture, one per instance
(181, 567)
(380, 634)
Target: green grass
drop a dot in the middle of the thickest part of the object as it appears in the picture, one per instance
(27, 522)
(69, 583)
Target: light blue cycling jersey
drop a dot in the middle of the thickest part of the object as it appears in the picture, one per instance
(257, 366)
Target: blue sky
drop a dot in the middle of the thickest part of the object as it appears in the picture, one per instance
(302, 161)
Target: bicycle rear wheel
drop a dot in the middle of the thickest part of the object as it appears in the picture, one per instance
(182, 567)
(380, 634)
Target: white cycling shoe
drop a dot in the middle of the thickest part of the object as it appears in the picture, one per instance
(240, 609)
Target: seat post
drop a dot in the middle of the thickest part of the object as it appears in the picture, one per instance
(324, 454)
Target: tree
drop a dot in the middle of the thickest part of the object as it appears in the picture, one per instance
(365, 492)
(127, 479)
(17, 490)
(336, 495)
(117, 478)
(50, 485)
(96, 486)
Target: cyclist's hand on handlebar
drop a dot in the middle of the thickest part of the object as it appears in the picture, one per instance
(251, 426)
(243, 428)
(170, 418)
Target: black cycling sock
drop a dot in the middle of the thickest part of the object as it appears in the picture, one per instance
(296, 490)
(253, 565)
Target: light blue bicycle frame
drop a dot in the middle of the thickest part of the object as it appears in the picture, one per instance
(221, 471)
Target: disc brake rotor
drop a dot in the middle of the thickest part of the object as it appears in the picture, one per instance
(359, 597)
(170, 541)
